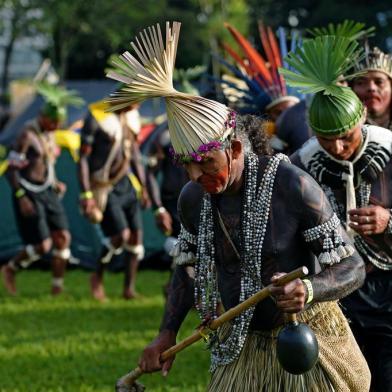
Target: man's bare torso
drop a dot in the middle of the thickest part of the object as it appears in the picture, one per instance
(36, 155)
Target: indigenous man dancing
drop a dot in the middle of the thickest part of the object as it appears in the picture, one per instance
(108, 147)
(246, 219)
(40, 215)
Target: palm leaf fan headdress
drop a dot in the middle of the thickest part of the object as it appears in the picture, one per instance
(318, 64)
(57, 98)
(262, 71)
(193, 121)
(349, 29)
(374, 59)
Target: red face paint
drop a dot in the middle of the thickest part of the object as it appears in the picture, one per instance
(374, 89)
(213, 173)
(214, 183)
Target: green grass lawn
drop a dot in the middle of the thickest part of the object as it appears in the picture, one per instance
(72, 343)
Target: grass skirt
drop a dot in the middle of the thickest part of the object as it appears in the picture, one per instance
(341, 366)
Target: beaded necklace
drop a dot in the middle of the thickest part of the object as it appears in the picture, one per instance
(373, 160)
(255, 214)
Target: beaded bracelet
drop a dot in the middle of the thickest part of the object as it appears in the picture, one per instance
(86, 195)
(20, 193)
(159, 210)
(309, 288)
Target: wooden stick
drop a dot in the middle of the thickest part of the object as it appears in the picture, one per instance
(124, 384)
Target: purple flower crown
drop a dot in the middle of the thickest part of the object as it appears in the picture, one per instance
(197, 156)
(202, 151)
(231, 119)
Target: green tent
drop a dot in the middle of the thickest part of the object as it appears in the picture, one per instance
(86, 237)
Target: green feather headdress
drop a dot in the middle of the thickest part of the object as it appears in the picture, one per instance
(318, 64)
(57, 99)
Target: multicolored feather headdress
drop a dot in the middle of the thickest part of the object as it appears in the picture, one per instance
(196, 124)
(266, 87)
(318, 64)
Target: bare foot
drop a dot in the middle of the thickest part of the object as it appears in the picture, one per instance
(56, 290)
(131, 294)
(97, 290)
(8, 274)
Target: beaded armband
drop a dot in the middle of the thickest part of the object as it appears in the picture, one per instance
(334, 248)
(181, 252)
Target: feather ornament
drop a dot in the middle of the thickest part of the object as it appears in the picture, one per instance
(262, 71)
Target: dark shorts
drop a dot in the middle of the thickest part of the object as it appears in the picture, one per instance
(50, 216)
(122, 209)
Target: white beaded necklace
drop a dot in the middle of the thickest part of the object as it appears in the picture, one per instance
(256, 208)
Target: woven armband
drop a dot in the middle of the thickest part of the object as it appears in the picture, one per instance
(309, 288)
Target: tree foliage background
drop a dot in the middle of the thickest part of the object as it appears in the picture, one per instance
(81, 35)
(304, 14)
